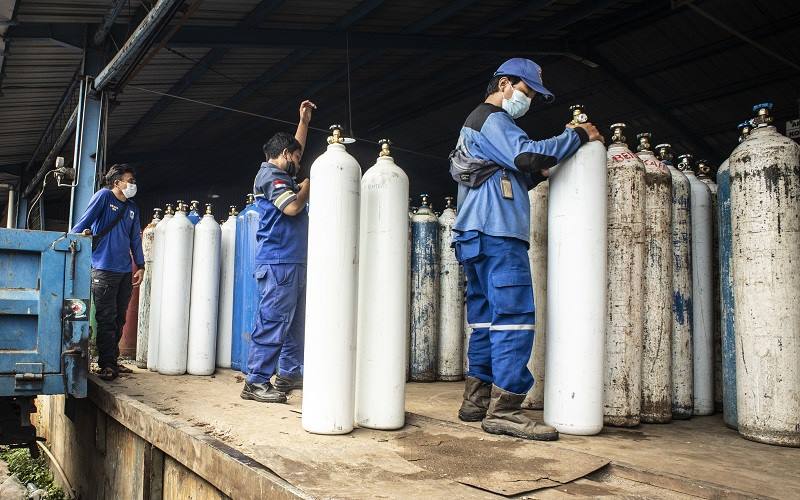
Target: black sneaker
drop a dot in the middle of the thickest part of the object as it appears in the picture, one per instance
(288, 384)
(263, 393)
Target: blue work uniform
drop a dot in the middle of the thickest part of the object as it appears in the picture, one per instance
(114, 250)
(490, 236)
(281, 251)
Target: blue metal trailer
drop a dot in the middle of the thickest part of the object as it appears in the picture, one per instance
(44, 323)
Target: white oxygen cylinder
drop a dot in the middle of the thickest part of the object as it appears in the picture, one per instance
(159, 242)
(576, 266)
(382, 296)
(203, 313)
(227, 260)
(704, 175)
(702, 291)
(451, 301)
(537, 255)
(143, 318)
(331, 292)
(176, 290)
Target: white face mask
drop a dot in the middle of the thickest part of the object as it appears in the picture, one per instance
(518, 105)
(129, 191)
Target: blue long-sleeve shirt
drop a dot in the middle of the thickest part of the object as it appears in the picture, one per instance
(490, 133)
(114, 250)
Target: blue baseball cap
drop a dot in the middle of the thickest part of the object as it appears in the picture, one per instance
(529, 72)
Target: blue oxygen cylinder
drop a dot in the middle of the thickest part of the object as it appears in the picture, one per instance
(729, 413)
(194, 212)
(424, 293)
(245, 287)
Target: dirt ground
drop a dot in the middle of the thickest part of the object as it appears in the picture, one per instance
(437, 456)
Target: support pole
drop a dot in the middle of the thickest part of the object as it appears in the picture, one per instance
(22, 213)
(89, 136)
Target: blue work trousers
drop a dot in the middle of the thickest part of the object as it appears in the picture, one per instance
(500, 309)
(279, 334)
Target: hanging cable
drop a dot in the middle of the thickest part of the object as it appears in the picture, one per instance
(36, 200)
(349, 102)
(271, 118)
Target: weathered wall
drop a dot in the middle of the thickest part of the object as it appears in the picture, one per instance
(113, 447)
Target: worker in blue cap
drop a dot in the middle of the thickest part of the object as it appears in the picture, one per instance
(495, 164)
(277, 341)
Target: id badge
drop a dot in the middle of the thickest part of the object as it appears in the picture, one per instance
(505, 187)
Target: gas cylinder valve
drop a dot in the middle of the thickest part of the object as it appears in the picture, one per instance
(685, 163)
(763, 117)
(385, 143)
(618, 136)
(578, 116)
(665, 152)
(644, 141)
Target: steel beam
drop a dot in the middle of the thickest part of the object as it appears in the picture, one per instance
(137, 45)
(66, 97)
(234, 37)
(203, 66)
(59, 144)
(566, 18)
(108, 21)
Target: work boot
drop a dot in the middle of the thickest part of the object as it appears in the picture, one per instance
(476, 400)
(287, 384)
(263, 393)
(505, 416)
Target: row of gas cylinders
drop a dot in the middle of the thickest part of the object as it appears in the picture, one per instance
(681, 282)
(199, 296)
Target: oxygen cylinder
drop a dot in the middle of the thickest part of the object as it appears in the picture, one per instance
(576, 274)
(657, 333)
(411, 211)
(729, 413)
(245, 286)
(194, 212)
(226, 272)
(176, 288)
(451, 302)
(702, 306)
(382, 295)
(625, 320)
(159, 242)
(143, 319)
(331, 296)
(704, 175)
(204, 312)
(424, 293)
(765, 187)
(682, 354)
(537, 255)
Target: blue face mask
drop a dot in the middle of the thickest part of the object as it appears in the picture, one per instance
(518, 105)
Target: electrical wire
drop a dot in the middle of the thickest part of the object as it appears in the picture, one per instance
(38, 197)
(272, 118)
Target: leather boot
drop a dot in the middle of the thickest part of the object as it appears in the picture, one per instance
(288, 384)
(263, 393)
(476, 400)
(505, 416)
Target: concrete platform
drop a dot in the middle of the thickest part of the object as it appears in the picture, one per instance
(243, 449)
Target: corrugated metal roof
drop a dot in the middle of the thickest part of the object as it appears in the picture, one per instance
(699, 78)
